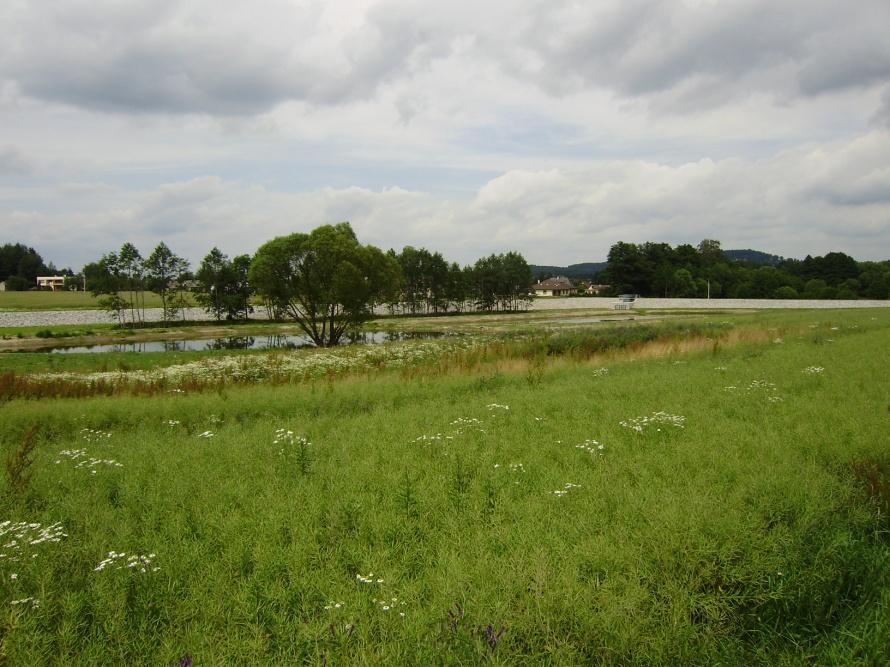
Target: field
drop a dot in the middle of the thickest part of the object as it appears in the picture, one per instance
(713, 490)
(61, 300)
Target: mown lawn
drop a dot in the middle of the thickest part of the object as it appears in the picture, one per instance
(446, 516)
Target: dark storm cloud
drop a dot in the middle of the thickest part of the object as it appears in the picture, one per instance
(197, 57)
(204, 57)
(642, 47)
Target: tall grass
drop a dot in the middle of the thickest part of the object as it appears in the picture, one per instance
(751, 535)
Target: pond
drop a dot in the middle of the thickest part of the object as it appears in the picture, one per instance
(275, 342)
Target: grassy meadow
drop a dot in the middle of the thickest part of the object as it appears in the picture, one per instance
(60, 300)
(707, 492)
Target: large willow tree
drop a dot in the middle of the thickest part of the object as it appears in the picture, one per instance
(326, 280)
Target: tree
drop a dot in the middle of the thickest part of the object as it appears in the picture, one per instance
(875, 279)
(132, 270)
(516, 292)
(628, 268)
(457, 286)
(501, 282)
(222, 286)
(326, 280)
(19, 266)
(710, 252)
(105, 281)
(682, 284)
(165, 272)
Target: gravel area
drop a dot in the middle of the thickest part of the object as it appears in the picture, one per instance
(55, 317)
(39, 318)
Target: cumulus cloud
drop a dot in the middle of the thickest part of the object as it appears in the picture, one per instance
(827, 197)
(551, 127)
(711, 53)
(202, 55)
(240, 58)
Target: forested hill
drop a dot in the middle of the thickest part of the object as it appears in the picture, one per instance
(588, 270)
(753, 256)
(585, 270)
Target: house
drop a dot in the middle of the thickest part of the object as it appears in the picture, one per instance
(558, 286)
(50, 282)
(596, 290)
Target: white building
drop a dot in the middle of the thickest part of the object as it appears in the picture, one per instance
(50, 282)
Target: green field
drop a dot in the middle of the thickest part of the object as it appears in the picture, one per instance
(47, 300)
(693, 492)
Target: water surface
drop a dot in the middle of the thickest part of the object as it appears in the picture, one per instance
(275, 342)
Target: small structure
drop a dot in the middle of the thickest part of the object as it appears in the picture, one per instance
(596, 290)
(625, 302)
(50, 282)
(559, 286)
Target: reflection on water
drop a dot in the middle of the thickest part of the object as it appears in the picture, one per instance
(274, 342)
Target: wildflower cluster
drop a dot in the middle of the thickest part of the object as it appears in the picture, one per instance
(93, 435)
(283, 436)
(72, 454)
(171, 422)
(512, 467)
(461, 424)
(91, 464)
(759, 386)
(497, 406)
(306, 364)
(600, 372)
(559, 493)
(466, 422)
(34, 602)
(18, 537)
(813, 370)
(294, 448)
(437, 436)
(388, 605)
(333, 605)
(121, 561)
(592, 447)
(656, 419)
(369, 579)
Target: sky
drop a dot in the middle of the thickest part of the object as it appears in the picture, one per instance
(549, 127)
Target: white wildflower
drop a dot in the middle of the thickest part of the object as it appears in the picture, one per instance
(640, 424)
(121, 561)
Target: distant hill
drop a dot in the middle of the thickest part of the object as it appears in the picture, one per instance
(753, 256)
(585, 270)
(588, 270)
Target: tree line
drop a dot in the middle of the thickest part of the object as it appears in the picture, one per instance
(324, 280)
(661, 270)
(20, 265)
